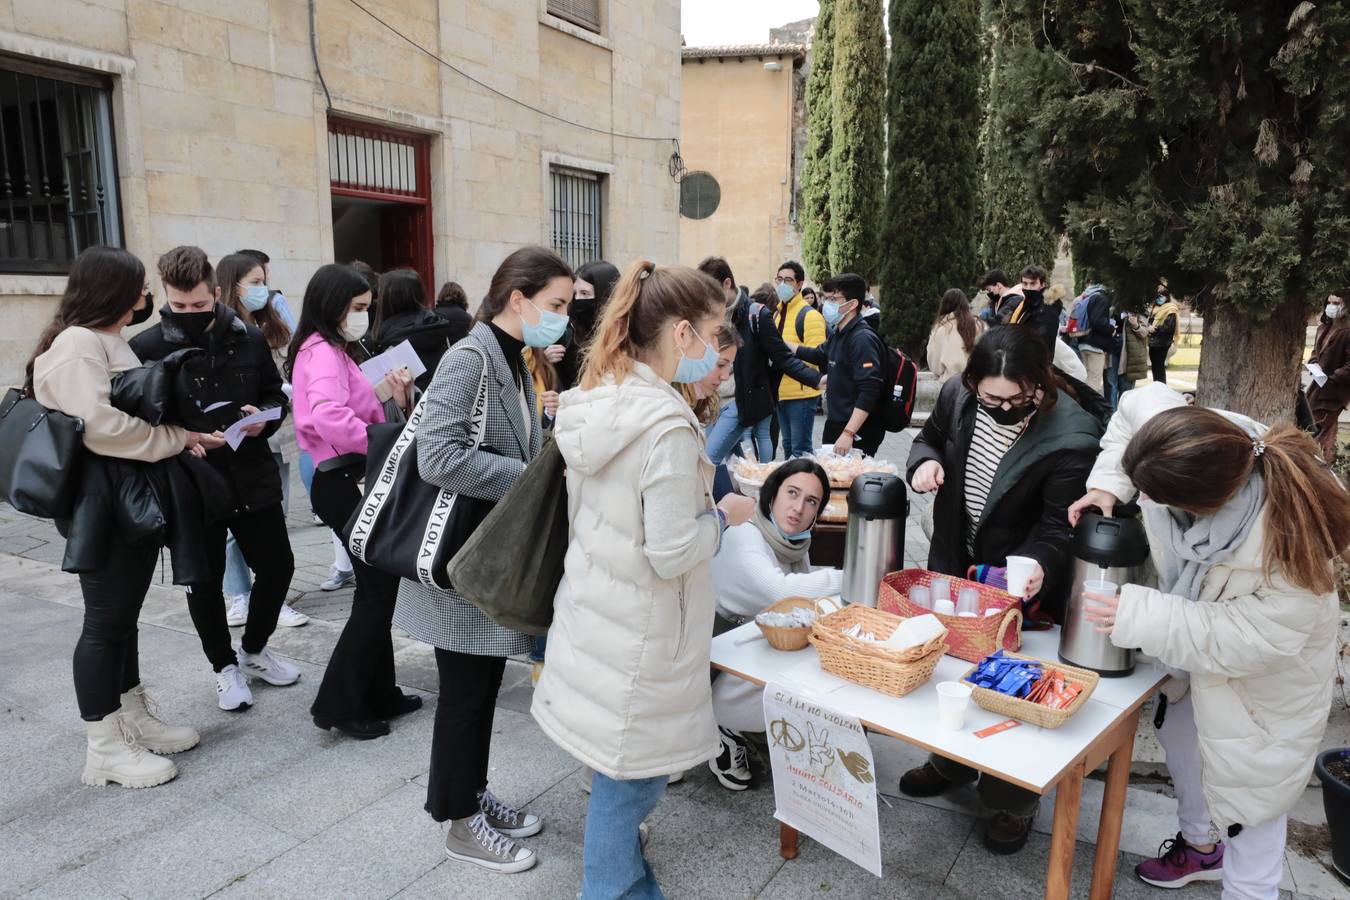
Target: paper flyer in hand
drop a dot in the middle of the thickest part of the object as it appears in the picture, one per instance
(823, 776)
(1317, 373)
(395, 357)
(234, 435)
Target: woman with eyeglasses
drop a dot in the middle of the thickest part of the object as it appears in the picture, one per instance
(1007, 449)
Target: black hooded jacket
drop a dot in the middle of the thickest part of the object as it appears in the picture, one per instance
(762, 361)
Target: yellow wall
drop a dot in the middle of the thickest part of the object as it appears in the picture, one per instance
(736, 123)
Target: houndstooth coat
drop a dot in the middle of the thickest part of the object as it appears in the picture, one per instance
(446, 458)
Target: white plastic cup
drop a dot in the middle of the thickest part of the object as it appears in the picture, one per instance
(942, 589)
(967, 615)
(1019, 573)
(921, 596)
(953, 701)
(944, 607)
(968, 601)
(1100, 588)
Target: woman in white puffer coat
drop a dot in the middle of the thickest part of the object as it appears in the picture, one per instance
(1244, 525)
(625, 687)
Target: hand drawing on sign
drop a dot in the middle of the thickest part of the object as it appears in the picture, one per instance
(822, 753)
(857, 765)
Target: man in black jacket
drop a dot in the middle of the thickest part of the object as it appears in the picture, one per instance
(1030, 309)
(761, 362)
(1098, 341)
(233, 378)
(854, 356)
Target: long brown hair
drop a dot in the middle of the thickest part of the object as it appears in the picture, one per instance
(644, 301)
(1019, 355)
(229, 272)
(528, 270)
(103, 284)
(707, 408)
(1197, 460)
(954, 303)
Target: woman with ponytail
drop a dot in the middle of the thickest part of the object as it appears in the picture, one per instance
(626, 689)
(1245, 526)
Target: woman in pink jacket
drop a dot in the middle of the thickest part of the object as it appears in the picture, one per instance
(332, 405)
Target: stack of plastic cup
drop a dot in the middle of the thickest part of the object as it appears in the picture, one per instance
(953, 701)
(968, 601)
(946, 607)
(921, 596)
(942, 590)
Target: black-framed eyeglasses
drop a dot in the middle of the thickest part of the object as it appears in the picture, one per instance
(782, 280)
(1017, 402)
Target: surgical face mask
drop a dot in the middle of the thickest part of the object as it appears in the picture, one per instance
(546, 331)
(785, 292)
(1159, 300)
(799, 536)
(356, 326)
(831, 310)
(254, 296)
(1333, 310)
(692, 370)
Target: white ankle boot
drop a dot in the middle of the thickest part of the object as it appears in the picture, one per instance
(113, 755)
(148, 731)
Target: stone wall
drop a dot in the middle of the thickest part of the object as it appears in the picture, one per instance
(221, 126)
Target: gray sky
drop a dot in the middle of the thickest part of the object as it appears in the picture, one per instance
(707, 22)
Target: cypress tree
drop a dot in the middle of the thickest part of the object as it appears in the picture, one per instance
(1207, 142)
(1013, 232)
(815, 215)
(857, 177)
(932, 124)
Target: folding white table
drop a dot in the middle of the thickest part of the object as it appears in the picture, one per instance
(1038, 759)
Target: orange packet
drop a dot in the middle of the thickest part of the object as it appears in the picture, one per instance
(995, 729)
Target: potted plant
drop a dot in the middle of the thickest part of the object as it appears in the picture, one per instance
(1333, 770)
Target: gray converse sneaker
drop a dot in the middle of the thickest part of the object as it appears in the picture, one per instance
(508, 820)
(474, 841)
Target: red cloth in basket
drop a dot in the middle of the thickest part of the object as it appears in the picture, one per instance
(971, 639)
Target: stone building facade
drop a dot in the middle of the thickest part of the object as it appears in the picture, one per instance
(152, 123)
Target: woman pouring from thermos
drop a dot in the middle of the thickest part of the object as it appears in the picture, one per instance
(1244, 526)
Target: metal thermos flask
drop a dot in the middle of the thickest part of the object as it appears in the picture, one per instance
(1115, 550)
(875, 541)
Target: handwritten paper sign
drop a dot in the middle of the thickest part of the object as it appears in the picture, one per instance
(823, 776)
(396, 357)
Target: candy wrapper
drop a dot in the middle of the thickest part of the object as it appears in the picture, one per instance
(1026, 680)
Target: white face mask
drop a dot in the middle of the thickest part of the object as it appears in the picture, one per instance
(356, 325)
(1334, 310)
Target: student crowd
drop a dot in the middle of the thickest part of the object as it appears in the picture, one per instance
(647, 380)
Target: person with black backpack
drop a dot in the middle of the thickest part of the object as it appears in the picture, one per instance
(856, 357)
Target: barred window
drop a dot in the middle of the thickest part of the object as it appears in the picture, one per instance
(58, 175)
(585, 13)
(575, 208)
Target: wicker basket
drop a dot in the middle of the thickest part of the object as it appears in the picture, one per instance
(884, 669)
(969, 639)
(780, 638)
(1034, 713)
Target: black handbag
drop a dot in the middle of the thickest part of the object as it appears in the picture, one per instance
(530, 523)
(40, 452)
(407, 526)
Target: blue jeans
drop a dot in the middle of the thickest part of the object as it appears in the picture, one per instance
(726, 433)
(1111, 380)
(238, 579)
(613, 865)
(796, 426)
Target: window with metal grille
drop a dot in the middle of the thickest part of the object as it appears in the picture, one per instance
(700, 195)
(368, 158)
(58, 171)
(576, 232)
(585, 13)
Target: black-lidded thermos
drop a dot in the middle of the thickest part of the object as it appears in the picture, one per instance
(1104, 549)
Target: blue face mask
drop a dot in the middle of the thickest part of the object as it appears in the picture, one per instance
(830, 310)
(545, 332)
(785, 292)
(691, 370)
(254, 297)
(800, 536)
(1160, 301)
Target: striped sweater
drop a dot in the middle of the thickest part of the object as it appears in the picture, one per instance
(989, 443)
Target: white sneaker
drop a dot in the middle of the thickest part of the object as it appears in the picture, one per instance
(290, 617)
(732, 765)
(268, 667)
(314, 519)
(338, 579)
(238, 614)
(232, 692)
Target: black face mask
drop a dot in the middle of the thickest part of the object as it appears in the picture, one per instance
(1009, 416)
(583, 312)
(141, 314)
(193, 324)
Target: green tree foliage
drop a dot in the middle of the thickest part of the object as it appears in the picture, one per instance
(856, 153)
(1205, 141)
(1013, 232)
(932, 125)
(815, 214)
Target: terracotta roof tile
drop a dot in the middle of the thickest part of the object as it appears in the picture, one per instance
(732, 51)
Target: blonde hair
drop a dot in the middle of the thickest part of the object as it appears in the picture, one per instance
(646, 298)
(706, 409)
(1056, 291)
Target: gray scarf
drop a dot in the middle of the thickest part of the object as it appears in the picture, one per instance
(1191, 544)
(791, 552)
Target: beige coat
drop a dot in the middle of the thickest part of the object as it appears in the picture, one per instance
(625, 686)
(1259, 653)
(947, 354)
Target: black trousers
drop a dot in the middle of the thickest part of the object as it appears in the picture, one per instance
(262, 538)
(359, 681)
(462, 737)
(105, 663)
(868, 440)
(1157, 357)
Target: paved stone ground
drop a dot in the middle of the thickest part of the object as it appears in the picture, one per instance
(268, 806)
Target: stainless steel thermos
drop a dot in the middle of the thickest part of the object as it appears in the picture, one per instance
(1115, 550)
(875, 541)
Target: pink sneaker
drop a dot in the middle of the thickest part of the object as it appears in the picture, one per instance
(1178, 864)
